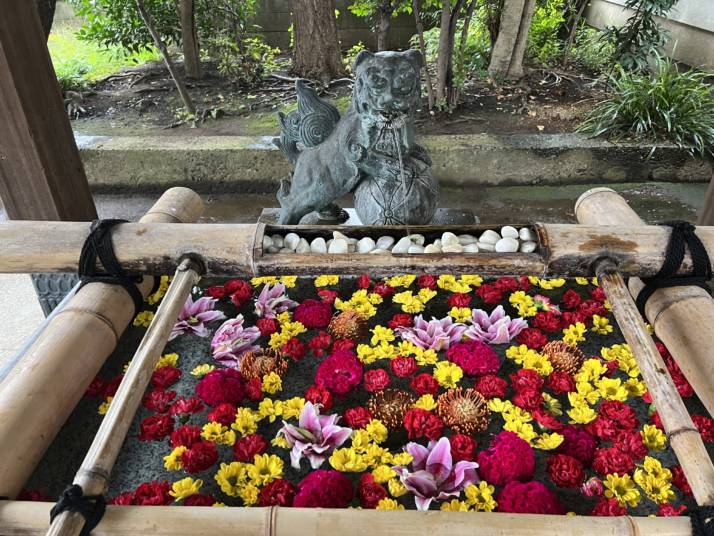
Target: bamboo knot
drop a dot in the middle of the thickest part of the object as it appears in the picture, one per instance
(679, 431)
(271, 524)
(634, 529)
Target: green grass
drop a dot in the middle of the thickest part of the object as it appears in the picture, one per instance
(78, 63)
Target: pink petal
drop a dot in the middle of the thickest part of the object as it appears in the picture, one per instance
(419, 453)
(439, 462)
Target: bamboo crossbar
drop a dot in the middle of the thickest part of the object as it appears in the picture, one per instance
(93, 475)
(19, 518)
(235, 249)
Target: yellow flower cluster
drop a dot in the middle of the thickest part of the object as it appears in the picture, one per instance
(523, 303)
(460, 314)
(167, 360)
(185, 488)
(172, 461)
(653, 437)
(365, 452)
(426, 402)
(414, 303)
(574, 333)
(246, 422)
(547, 284)
(287, 280)
(326, 280)
(611, 389)
(655, 480)
(288, 330)
(389, 504)
(462, 285)
(201, 370)
(601, 325)
(369, 354)
(404, 280)
(621, 488)
(143, 319)
(530, 359)
(625, 360)
(361, 302)
(272, 383)
(480, 497)
(217, 433)
(448, 374)
(243, 480)
(164, 282)
(518, 421)
(382, 335)
(104, 406)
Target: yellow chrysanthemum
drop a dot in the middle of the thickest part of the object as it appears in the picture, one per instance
(201, 370)
(520, 353)
(548, 441)
(375, 455)
(601, 325)
(404, 280)
(104, 406)
(246, 422)
(653, 437)
(582, 281)
(582, 414)
(270, 409)
(585, 394)
(217, 433)
(574, 333)
(231, 477)
(621, 488)
(523, 303)
(264, 469)
(383, 474)
(272, 383)
(167, 360)
(538, 362)
(396, 488)
(264, 280)
(552, 405)
(377, 431)
(172, 461)
(426, 402)
(524, 430)
(402, 458)
(611, 389)
(480, 497)
(448, 374)
(156, 296)
(454, 505)
(280, 441)
(635, 388)
(410, 303)
(326, 280)
(143, 319)
(382, 335)
(184, 488)
(292, 407)
(426, 357)
(249, 494)
(591, 370)
(389, 504)
(460, 314)
(347, 460)
(361, 439)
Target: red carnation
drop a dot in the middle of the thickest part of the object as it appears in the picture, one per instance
(153, 494)
(547, 321)
(427, 281)
(546, 420)
(571, 300)
(200, 499)
(680, 480)
(364, 281)
(489, 294)
(165, 377)
(560, 382)
(573, 317)
(603, 428)
(111, 387)
(565, 471)
(384, 290)
(532, 338)
(267, 326)
(369, 492)
(319, 395)
(278, 493)
(462, 447)
(376, 380)
(608, 508)
(156, 427)
(598, 294)
(340, 373)
(324, 489)
(320, 343)
(247, 447)
(186, 406)
(476, 358)
(459, 300)
(578, 443)
(403, 367)
(233, 285)
(328, 296)
(524, 283)
(592, 307)
(425, 384)
(96, 388)
(219, 386)
(240, 291)
(223, 413)
(342, 345)
(669, 510)
(508, 458)
(630, 442)
(610, 460)
(619, 412)
(357, 417)
(216, 291)
(123, 499)
(528, 399)
(507, 284)
(422, 423)
(491, 386)
(158, 400)
(705, 425)
(313, 314)
(529, 498)
(294, 348)
(199, 457)
(401, 320)
(254, 389)
(684, 388)
(526, 379)
(185, 435)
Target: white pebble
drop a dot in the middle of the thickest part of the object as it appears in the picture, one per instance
(489, 237)
(507, 245)
(414, 248)
(303, 246)
(365, 245)
(385, 242)
(402, 246)
(267, 242)
(378, 251)
(528, 247)
(432, 248)
(438, 243)
(338, 245)
(338, 235)
(286, 250)
(471, 248)
(509, 232)
(417, 239)
(453, 248)
(272, 249)
(466, 239)
(318, 245)
(526, 234)
(277, 240)
(291, 241)
(486, 246)
(448, 239)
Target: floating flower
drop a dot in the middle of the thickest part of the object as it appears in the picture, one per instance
(563, 356)
(389, 406)
(340, 373)
(272, 301)
(508, 458)
(621, 488)
(474, 357)
(432, 475)
(324, 489)
(313, 314)
(258, 363)
(496, 328)
(265, 468)
(448, 374)
(194, 315)
(348, 324)
(315, 436)
(184, 488)
(528, 498)
(434, 334)
(232, 340)
(464, 410)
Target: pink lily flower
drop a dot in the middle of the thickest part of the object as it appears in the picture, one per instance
(496, 328)
(432, 475)
(272, 301)
(435, 334)
(194, 315)
(315, 437)
(232, 340)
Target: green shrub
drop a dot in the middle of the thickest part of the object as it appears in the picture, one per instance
(592, 50)
(351, 55)
(72, 74)
(543, 44)
(244, 64)
(664, 106)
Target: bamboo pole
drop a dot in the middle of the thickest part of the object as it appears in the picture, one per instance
(683, 436)
(682, 317)
(18, 518)
(93, 475)
(39, 395)
(232, 249)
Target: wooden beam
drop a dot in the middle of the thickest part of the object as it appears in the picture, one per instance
(41, 174)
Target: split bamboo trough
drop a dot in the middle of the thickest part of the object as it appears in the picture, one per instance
(626, 247)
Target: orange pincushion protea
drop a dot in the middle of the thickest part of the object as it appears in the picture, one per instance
(464, 410)
(390, 405)
(564, 356)
(348, 325)
(258, 363)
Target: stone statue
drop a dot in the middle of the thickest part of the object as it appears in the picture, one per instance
(370, 151)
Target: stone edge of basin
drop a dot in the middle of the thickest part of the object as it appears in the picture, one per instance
(253, 164)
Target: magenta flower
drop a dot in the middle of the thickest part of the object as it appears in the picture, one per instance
(496, 328)
(432, 475)
(272, 301)
(232, 340)
(315, 437)
(435, 334)
(194, 315)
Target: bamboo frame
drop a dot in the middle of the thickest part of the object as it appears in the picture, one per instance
(18, 518)
(232, 249)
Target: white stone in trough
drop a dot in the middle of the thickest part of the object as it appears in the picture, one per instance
(365, 245)
(526, 235)
(471, 248)
(318, 245)
(303, 246)
(267, 242)
(378, 251)
(486, 246)
(449, 239)
(277, 240)
(272, 249)
(417, 239)
(291, 241)
(507, 245)
(415, 248)
(338, 245)
(489, 237)
(466, 239)
(337, 234)
(453, 248)
(385, 242)
(528, 247)
(286, 250)
(508, 231)
(432, 248)
(402, 246)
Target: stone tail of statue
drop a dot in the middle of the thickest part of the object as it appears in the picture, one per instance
(308, 126)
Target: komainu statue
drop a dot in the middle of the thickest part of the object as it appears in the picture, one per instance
(370, 151)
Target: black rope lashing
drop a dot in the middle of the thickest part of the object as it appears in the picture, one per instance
(91, 507)
(702, 520)
(99, 246)
(683, 236)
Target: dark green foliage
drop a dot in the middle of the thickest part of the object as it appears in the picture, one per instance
(667, 106)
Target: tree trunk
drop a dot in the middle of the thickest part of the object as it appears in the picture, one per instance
(507, 55)
(706, 217)
(386, 10)
(444, 62)
(189, 39)
(46, 9)
(422, 47)
(317, 49)
(149, 22)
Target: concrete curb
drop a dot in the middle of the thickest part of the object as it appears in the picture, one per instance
(254, 165)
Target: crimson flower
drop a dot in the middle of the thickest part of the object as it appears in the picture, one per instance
(376, 380)
(247, 447)
(155, 427)
(279, 492)
(422, 423)
(201, 456)
(403, 367)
